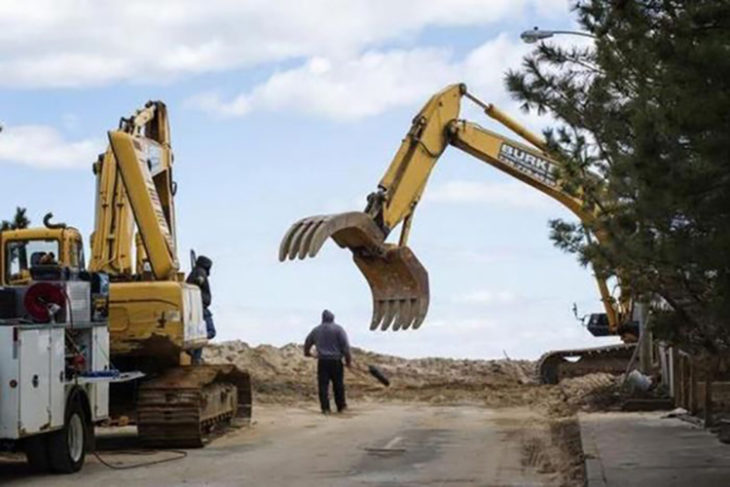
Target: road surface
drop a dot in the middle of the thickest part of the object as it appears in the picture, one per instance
(372, 445)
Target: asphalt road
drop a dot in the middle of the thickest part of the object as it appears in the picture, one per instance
(372, 445)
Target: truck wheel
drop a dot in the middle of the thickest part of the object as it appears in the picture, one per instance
(67, 447)
(36, 451)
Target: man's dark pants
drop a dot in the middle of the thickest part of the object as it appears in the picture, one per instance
(331, 370)
(197, 354)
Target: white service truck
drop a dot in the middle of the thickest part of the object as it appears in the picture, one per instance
(54, 366)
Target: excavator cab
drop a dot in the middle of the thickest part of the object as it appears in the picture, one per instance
(598, 325)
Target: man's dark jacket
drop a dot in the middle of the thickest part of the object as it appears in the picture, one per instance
(199, 277)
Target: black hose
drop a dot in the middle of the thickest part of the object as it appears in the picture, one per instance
(48, 224)
(179, 455)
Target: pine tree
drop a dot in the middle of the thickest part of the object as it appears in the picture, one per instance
(20, 220)
(643, 122)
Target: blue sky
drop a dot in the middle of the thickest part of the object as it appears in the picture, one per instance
(285, 109)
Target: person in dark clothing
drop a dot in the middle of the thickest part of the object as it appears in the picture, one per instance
(332, 346)
(199, 277)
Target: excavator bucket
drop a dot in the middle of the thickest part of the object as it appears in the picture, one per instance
(399, 284)
(398, 281)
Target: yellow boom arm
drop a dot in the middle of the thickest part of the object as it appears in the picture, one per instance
(398, 281)
(438, 126)
(134, 185)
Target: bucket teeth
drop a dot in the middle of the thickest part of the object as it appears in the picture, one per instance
(379, 308)
(398, 314)
(296, 239)
(398, 317)
(419, 320)
(391, 313)
(397, 280)
(355, 230)
(404, 317)
(307, 238)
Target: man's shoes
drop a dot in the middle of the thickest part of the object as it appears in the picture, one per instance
(326, 412)
(342, 409)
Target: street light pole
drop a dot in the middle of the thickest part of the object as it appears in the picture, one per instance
(534, 35)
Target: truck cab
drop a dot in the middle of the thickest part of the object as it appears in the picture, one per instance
(22, 250)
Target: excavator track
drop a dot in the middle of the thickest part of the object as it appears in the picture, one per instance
(182, 407)
(556, 365)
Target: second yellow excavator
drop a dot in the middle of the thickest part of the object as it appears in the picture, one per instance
(398, 281)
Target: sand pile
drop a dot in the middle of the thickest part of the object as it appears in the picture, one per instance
(283, 374)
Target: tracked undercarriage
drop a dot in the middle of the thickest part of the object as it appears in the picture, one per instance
(560, 364)
(181, 407)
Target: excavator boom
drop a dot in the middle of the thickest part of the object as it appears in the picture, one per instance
(132, 156)
(398, 281)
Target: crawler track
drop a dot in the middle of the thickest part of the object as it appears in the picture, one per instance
(556, 365)
(181, 407)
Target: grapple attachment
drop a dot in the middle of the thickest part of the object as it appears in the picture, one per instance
(398, 281)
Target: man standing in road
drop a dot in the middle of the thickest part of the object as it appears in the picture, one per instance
(199, 277)
(332, 346)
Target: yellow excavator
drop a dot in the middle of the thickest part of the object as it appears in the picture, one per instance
(155, 318)
(399, 282)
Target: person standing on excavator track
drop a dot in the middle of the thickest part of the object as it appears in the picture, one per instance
(332, 346)
(199, 277)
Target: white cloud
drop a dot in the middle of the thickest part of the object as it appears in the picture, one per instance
(367, 85)
(485, 297)
(372, 82)
(47, 43)
(513, 194)
(43, 146)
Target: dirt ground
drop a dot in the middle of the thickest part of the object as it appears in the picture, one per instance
(372, 445)
(550, 438)
(447, 422)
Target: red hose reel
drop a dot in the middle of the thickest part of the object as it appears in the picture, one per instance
(41, 299)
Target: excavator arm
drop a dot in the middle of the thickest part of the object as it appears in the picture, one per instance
(134, 185)
(398, 281)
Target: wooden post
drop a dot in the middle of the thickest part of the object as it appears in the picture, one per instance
(692, 387)
(662, 353)
(709, 376)
(644, 339)
(678, 366)
(685, 382)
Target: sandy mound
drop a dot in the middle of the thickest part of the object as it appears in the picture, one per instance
(284, 375)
